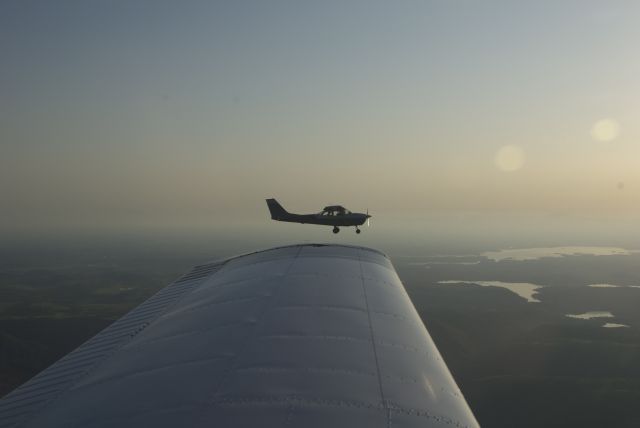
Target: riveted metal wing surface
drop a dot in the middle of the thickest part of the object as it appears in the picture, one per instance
(305, 335)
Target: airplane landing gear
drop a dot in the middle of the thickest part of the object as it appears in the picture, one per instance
(357, 230)
(335, 229)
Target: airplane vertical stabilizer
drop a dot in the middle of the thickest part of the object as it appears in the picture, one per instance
(277, 211)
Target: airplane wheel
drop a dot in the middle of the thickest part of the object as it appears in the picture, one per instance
(357, 230)
(336, 230)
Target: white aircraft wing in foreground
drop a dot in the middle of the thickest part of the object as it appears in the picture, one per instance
(298, 336)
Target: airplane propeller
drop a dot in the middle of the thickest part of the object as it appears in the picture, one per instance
(368, 218)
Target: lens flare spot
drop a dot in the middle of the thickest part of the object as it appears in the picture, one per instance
(509, 158)
(605, 130)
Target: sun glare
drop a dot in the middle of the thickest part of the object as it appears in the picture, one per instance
(509, 158)
(605, 130)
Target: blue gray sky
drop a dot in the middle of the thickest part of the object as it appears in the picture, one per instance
(130, 113)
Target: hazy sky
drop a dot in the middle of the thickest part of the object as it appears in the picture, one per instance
(129, 112)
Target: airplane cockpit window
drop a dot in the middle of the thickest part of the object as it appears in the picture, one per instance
(334, 211)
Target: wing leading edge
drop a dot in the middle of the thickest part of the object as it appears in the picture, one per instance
(307, 335)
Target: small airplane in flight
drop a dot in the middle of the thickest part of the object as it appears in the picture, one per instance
(333, 215)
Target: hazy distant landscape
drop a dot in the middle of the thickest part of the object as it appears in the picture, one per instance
(523, 363)
(519, 361)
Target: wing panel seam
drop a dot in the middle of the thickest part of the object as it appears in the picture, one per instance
(373, 343)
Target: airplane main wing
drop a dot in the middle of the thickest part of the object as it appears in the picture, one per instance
(305, 335)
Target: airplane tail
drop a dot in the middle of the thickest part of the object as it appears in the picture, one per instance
(277, 212)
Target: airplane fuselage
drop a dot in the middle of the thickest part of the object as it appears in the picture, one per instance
(353, 219)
